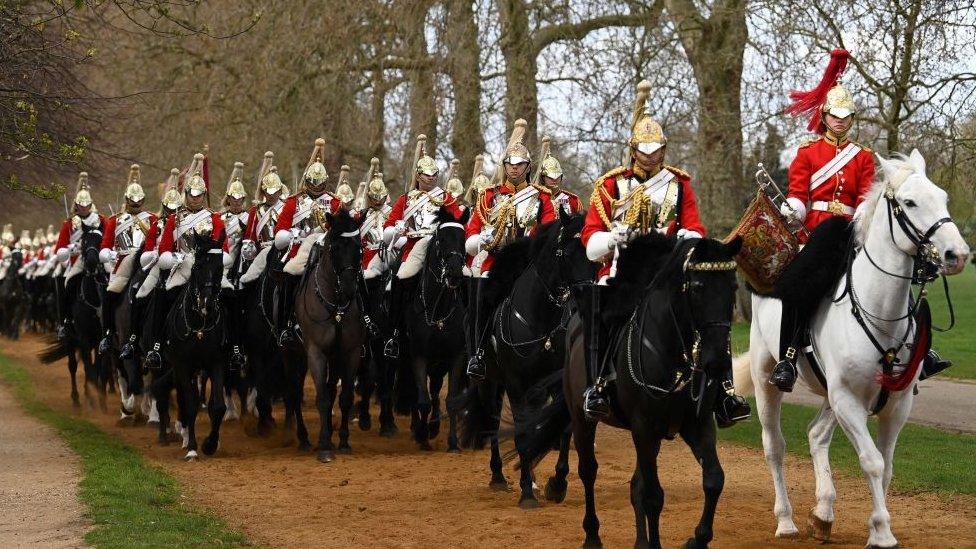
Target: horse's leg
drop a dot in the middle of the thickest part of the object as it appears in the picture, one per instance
(365, 384)
(493, 396)
(298, 395)
(160, 391)
(819, 433)
(648, 445)
(421, 432)
(436, 384)
(323, 402)
(891, 420)
(556, 485)
(637, 502)
(700, 437)
(453, 390)
(216, 408)
(346, 399)
(852, 415)
(584, 433)
(189, 407)
(262, 384)
(387, 374)
(521, 410)
(769, 399)
(73, 372)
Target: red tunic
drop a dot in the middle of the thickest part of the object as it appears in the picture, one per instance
(686, 214)
(168, 242)
(486, 201)
(848, 186)
(286, 219)
(574, 202)
(64, 236)
(400, 206)
(108, 236)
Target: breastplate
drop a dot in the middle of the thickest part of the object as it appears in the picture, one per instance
(186, 242)
(267, 230)
(316, 208)
(373, 238)
(424, 216)
(653, 208)
(131, 236)
(234, 225)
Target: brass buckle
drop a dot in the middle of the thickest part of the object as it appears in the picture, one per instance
(791, 353)
(835, 207)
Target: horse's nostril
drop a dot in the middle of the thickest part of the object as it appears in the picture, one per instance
(950, 255)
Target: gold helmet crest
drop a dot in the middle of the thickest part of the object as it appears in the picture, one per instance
(315, 172)
(516, 152)
(839, 102)
(172, 199)
(343, 190)
(549, 166)
(196, 185)
(52, 236)
(646, 134)
(268, 180)
(454, 184)
(83, 195)
(235, 187)
(133, 188)
(25, 238)
(375, 187)
(423, 163)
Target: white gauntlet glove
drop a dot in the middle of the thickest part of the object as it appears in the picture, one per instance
(248, 250)
(487, 236)
(620, 235)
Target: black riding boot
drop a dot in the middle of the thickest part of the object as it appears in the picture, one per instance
(286, 298)
(730, 408)
(237, 359)
(476, 369)
(401, 292)
(791, 327)
(68, 296)
(596, 406)
(932, 364)
(109, 301)
(159, 308)
(364, 301)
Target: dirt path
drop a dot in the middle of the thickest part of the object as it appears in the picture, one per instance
(39, 477)
(389, 494)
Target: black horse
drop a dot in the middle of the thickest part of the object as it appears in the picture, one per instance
(668, 354)
(87, 332)
(377, 372)
(332, 325)
(13, 297)
(434, 320)
(265, 368)
(195, 331)
(128, 369)
(530, 282)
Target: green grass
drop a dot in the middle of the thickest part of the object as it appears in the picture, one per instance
(926, 459)
(958, 344)
(130, 503)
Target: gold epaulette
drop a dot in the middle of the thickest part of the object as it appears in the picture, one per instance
(863, 147)
(809, 142)
(596, 198)
(612, 173)
(542, 188)
(678, 171)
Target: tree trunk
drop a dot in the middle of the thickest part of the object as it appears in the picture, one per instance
(378, 120)
(467, 138)
(423, 102)
(521, 91)
(715, 47)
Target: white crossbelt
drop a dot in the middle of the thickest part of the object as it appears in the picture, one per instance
(434, 193)
(266, 216)
(190, 221)
(835, 165)
(651, 186)
(824, 206)
(516, 199)
(325, 199)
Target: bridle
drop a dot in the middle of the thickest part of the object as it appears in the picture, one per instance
(335, 309)
(193, 298)
(441, 277)
(691, 355)
(927, 268)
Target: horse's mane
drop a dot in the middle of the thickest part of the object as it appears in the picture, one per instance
(341, 222)
(862, 222)
(637, 266)
(444, 215)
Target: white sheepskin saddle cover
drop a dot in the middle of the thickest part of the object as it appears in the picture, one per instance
(257, 266)
(121, 275)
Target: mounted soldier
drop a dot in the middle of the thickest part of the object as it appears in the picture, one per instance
(262, 217)
(373, 205)
(83, 213)
(829, 179)
(301, 222)
(344, 190)
(454, 185)
(235, 218)
(408, 230)
(511, 209)
(550, 175)
(628, 201)
(178, 244)
(125, 233)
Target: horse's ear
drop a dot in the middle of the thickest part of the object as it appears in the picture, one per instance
(563, 216)
(465, 216)
(329, 218)
(888, 167)
(735, 245)
(916, 160)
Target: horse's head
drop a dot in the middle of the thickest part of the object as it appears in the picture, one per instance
(206, 274)
(707, 287)
(345, 253)
(445, 253)
(917, 210)
(90, 244)
(572, 265)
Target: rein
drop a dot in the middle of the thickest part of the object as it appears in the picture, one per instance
(335, 310)
(444, 290)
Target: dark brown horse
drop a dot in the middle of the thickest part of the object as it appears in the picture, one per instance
(333, 331)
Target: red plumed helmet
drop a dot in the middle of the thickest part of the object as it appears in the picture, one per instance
(812, 102)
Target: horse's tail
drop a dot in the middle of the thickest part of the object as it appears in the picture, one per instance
(478, 417)
(540, 433)
(56, 351)
(742, 375)
(404, 388)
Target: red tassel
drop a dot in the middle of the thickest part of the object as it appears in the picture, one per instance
(809, 102)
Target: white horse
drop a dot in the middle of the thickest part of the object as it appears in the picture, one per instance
(848, 358)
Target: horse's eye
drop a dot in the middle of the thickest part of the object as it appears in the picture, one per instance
(910, 203)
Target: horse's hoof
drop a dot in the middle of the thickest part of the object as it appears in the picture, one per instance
(75, 402)
(210, 446)
(818, 528)
(190, 456)
(365, 423)
(528, 503)
(345, 450)
(454, 450)
(555, 490)
(499, 485)
(788, 534)
(388, 431)
(304, 446)
(592, 543)
(693, 543)
(325, 456)
(425, 446)
(873, 546)
(265, 428)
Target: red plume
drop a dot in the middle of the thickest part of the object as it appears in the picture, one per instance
(809, 102)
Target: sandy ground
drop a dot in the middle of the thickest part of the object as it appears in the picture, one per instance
(39, 477)
(390, 494)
